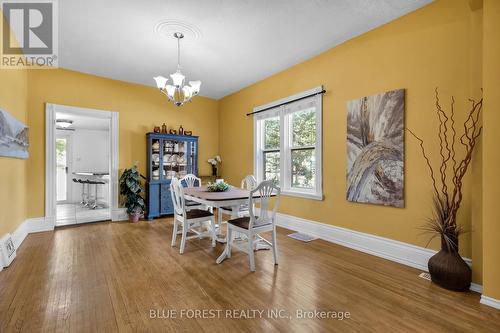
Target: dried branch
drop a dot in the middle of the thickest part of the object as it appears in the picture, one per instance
(447, 200)
(431, 170)
(444, 150)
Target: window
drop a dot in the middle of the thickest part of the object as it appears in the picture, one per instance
(288, 145)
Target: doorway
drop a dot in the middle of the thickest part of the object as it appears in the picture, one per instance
(63, 168)
(81, 165)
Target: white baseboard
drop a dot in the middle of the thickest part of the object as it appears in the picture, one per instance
(403, 253)
(30, 226)
(119, 214)
(476, 287)
(494, 303)
(41, 224)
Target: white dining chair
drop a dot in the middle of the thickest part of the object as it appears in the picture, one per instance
(189, 219)
(192, 181)
(248, 183)
(253, 225)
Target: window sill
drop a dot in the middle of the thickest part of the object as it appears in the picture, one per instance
(312, 196)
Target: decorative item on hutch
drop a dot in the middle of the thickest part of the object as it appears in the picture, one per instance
(168, 156)
(164, 128)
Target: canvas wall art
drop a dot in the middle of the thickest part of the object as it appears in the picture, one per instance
(375, 149)
(13, 136)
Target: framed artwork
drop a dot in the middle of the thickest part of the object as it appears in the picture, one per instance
(375, 149)
(13, 137)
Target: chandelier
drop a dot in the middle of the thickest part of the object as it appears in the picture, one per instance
(177, 92)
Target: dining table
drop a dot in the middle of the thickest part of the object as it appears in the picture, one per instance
(234, 197)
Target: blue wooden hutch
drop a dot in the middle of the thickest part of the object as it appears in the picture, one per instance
(168, 156)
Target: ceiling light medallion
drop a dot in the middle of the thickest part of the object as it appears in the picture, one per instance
(177, 92)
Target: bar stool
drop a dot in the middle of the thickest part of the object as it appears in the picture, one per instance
(85, 196)
(96, 183)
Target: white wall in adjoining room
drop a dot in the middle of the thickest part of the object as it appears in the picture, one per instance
(91, 154)
(91, 150)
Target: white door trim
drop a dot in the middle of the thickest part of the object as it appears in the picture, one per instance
(68, 135)
(50, 156)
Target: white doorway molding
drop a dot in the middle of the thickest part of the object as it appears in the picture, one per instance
(50, 156)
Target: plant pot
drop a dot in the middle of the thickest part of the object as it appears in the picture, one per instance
(134, 218)
(449, 270)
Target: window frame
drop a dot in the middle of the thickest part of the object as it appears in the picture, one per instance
(286, 141)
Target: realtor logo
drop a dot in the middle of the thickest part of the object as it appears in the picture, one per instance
(29, 34)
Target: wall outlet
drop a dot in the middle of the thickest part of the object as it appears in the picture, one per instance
(7, 250)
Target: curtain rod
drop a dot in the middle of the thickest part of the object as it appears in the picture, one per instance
(285, 103)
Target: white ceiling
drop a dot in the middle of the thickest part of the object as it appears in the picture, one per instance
(82, 122)
(230, 44)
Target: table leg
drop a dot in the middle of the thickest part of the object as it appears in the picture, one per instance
(218, 230)
(237, 236)
(261, 244)
(223, 255)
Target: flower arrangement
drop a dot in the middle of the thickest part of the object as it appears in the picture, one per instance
(217, 187)
(213, 162)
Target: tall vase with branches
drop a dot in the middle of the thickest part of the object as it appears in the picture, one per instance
(447, 268)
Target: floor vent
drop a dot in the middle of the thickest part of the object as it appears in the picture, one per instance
(7, 250)
(302, 237)
(426, 276)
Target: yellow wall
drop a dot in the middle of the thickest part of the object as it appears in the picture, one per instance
(140, 108)
(491, 150)
(13, 94)
(427, 48)
(475, 68)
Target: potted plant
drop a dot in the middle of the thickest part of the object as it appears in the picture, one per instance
(131, 189)
(447, 268)
(213, 162)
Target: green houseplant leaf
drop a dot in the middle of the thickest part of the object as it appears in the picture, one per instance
(131, 189)
(217, 187)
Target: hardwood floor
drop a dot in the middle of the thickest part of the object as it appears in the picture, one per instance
(107, 277)
(67, 214)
